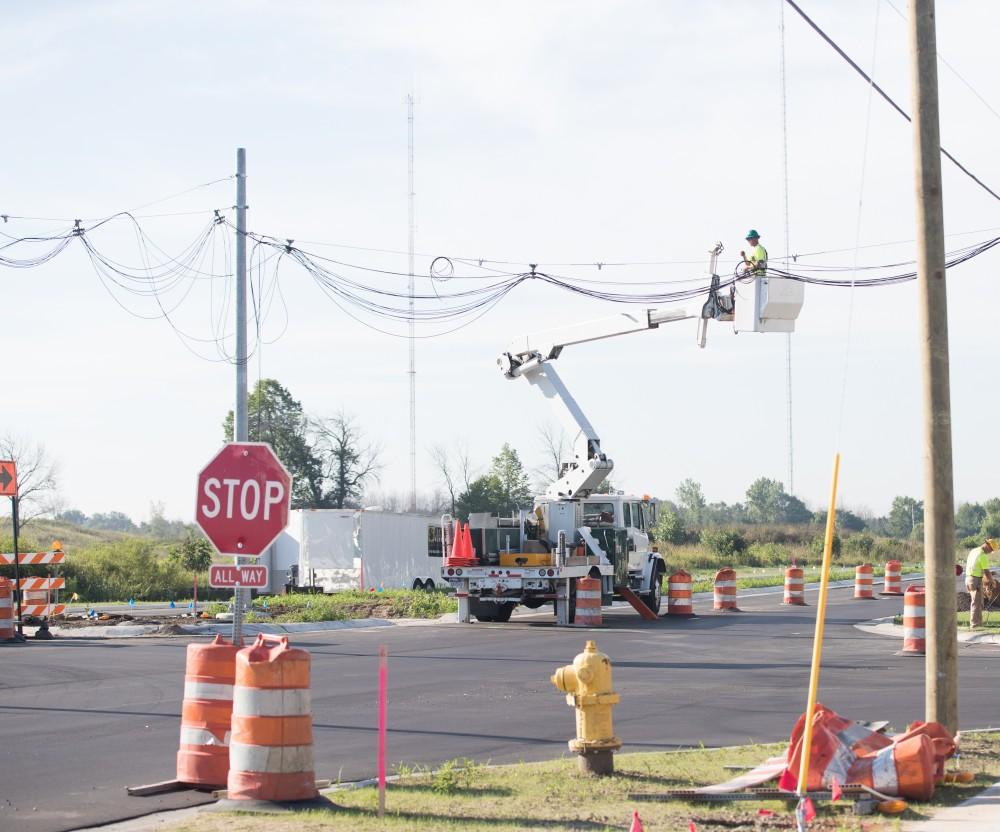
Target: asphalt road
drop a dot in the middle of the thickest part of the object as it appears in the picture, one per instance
(83, 719)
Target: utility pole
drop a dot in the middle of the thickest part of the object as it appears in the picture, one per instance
(941, 668)
(413, 359)
(241, 431)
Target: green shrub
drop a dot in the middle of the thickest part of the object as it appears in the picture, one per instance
(725, 542)
(767, 554)
(859, 545)
(818, 543)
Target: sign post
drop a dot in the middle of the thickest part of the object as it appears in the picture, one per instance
(8, 488)
(242, 505)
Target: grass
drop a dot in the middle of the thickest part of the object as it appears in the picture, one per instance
(351, 604)
(776, 577)
(552, 795)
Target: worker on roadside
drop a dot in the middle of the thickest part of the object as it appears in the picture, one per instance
(977, 567)
(756, 262)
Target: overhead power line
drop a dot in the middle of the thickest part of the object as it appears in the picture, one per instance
(886, 96)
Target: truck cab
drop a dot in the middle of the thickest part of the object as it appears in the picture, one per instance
(637, 515)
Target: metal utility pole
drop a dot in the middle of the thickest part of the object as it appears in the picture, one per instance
(941, 668)
(241, 432)
(17, 567)
(413, 359)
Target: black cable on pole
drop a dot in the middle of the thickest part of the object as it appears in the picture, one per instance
(886, 96)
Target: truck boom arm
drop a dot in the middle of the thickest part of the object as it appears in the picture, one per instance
(530, 357)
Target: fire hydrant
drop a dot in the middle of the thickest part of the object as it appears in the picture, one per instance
(587, 684)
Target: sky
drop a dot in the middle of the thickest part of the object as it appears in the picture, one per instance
(544, 132)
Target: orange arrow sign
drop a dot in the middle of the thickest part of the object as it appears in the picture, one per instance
(8, 478)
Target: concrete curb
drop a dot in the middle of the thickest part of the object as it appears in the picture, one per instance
(250, 630)
(886, 627)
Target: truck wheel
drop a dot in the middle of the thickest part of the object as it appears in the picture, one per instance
(418, 584)
(483, 610)
(429, 585)
(654, 598)
(504, 612)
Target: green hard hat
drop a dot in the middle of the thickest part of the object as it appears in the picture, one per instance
(752, 233)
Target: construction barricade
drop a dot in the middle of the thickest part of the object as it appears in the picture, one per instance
(271, 747)
(863, 581)
(206, 715)
(795, 586)
(914, 622)
(893, 584)
(6, 611)
(679, 595)
(907, 765)
(725, 590)
(588, 603)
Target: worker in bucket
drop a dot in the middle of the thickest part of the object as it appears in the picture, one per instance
(756, 262)
(977, 568)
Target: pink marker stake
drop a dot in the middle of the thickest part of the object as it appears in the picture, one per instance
(383, 696)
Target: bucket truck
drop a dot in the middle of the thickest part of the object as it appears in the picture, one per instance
(573, 531)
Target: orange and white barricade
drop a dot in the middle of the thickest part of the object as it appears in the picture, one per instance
(795, 586)
(914, 622)
(725, 590)
(679, 594)
(588, 603)
(863, 580)
(206, 715)
(33, 558)
(271, 747)
(6, 611)
(907, 765)
(893, 578)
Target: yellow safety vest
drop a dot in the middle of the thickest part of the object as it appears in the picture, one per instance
(977, 562)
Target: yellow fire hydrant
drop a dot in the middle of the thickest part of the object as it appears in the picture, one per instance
(587, 684)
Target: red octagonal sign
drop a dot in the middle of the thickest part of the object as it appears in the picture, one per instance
(243, 498)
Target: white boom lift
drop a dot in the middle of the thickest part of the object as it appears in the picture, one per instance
(608, 533)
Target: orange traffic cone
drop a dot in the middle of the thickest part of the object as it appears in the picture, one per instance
(636, 823)
(470, 552)
(457, 543)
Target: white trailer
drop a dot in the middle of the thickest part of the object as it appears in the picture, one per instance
(349, 548)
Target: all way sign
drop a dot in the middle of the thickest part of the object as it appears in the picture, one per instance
(250, 577)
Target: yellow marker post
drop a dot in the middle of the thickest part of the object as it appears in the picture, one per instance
(818, 638)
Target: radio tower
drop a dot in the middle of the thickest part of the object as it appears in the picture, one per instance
(413, 359)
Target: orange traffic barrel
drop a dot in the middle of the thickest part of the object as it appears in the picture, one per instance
(6, 611)
(905, 768)
(588, 603)
(271, 750)
(795, 586)
(863, 577)
(893, 578)
(914, 622)
(725, 590)
(679, 594)
(203, 757)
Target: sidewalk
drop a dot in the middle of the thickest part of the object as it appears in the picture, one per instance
(979, 814)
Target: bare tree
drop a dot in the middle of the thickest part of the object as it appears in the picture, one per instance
(555, 449)
(442, 461)
(37, 477)
(350, 462)
(456, 470)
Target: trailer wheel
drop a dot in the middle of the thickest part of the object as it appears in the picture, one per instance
(417, 584)
(504, 612)
(483, 610)
(429, 585)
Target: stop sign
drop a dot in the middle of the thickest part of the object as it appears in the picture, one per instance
(243, 498)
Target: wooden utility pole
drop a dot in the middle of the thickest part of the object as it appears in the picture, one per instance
(941, 669)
